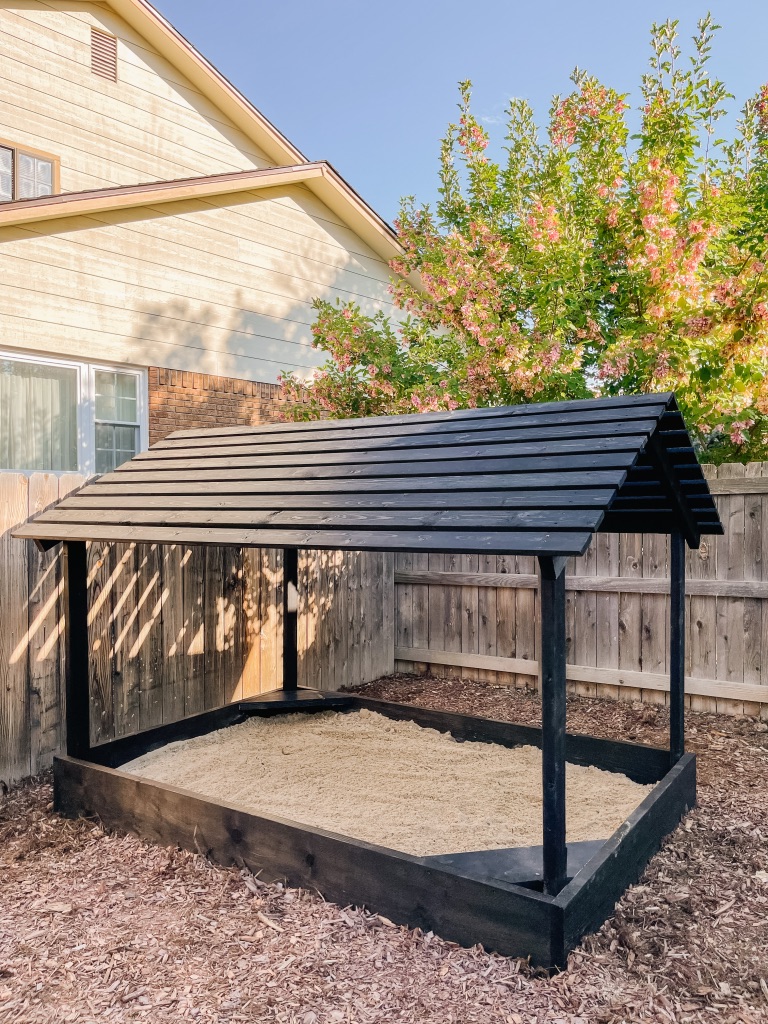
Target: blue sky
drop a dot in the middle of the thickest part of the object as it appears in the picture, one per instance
(371, 87)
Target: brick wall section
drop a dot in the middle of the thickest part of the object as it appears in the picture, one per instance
(181, 400)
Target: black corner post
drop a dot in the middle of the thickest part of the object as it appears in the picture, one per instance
(290, 619)
(78, 719)
(677, 647)
(552, 685)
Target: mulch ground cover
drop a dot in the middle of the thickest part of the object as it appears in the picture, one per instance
(104, 927)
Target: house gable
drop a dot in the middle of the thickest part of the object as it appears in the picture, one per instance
(154, 123)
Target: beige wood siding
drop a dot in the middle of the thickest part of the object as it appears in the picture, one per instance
(199, 285)
(151, 124)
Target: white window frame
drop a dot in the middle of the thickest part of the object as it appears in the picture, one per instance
(86, 406)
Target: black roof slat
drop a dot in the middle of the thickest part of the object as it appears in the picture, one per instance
(334, 432)
(450, 466)
(407, 448)
(614, 408)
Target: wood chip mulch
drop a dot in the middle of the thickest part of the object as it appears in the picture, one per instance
(103, 927)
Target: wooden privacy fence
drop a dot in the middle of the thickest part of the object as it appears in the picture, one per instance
(172, 630)
(153, 660)
(476, 616)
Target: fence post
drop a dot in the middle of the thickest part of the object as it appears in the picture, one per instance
(677, 647)
(552, 687)
(290, 619)
(77, 683)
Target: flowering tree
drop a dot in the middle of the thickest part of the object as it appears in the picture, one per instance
(587, 262)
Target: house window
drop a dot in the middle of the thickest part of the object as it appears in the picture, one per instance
(38, 416)
(26, 174)
(63, 417)
(117, 418)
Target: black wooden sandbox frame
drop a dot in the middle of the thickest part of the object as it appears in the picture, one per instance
(520, 480)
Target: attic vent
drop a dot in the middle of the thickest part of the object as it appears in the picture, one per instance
(103, 55)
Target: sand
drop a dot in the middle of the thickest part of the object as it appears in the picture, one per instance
(392, 783)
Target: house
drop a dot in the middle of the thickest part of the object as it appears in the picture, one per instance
(160, 241)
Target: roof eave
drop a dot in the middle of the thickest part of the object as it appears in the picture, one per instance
(172, 45)
(322, 179)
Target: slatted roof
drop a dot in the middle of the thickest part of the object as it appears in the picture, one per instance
(529, 479)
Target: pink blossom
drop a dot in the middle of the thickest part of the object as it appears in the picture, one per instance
(737, 431)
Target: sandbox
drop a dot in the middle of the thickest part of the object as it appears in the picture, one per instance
(478, 891)
(396, 784)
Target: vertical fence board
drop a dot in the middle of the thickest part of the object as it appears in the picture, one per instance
(452, 632)
(147, 646)
(753, 609)
(100, 638)
(437, 607)
(405, 613)
(43, 663)
(193, 597)
(487, 622)
(469, 611)
(525, 621)
(584, 647)
(630, 622)
(607, 605)
(126, 673)
(705, 564)
(368, 593)
(730, 611)
(172, 626)
(346, 613)
(654, 611)
(420, 628)
(386, 659)
(231, 629)
(251, 623)
(14, 686)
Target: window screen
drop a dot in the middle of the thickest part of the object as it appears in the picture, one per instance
(6, 174)
(117, 419)
(35, 176)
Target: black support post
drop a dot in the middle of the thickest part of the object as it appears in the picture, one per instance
(677, 647)
(290, 619)
(552, 679)
(76, 649)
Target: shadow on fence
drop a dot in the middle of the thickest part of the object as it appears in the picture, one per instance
(173, 630)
